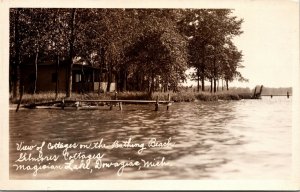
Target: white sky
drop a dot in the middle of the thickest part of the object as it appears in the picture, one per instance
(270, 42)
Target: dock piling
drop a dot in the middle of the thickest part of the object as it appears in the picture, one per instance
(63, 104)
(169, 99)
(111, 103)
(120, 106)
(77, 104)
(156, 104)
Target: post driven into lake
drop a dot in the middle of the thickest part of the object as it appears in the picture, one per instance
(111, 104)
(156, 104)
(169, 104)
(63, 104)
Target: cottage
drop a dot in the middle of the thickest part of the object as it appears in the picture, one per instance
(52, 76)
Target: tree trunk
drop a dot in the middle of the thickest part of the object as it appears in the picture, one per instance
(198, 83)
(198, 80)
(123, 80)
(101, 69)
(211, 85)
(202, 78)
(109, 78)
(142, 82)
(35, 69)
(16, 68)
(118, 81)
(82, 81)
(215, 75)
(215, 85)
(202, 84)
(152, 85)
(93, 79)
(71, 53)
(137, 82)
(222, 84)
(227, 85)
(100, 79)
(57, 79)
(166, 86)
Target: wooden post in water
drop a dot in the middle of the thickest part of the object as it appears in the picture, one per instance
(111, 103)
(63, 104)
(288, 94)
(20, 100)
(120, 106)
(169, 99)
(77, 104)
(156, 104)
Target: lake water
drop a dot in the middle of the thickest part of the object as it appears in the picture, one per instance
(247, 139)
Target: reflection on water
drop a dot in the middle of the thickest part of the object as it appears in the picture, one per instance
(248, 139)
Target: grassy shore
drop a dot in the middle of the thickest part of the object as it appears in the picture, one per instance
(177, 97)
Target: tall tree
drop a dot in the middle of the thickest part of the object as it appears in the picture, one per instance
(159, 51)
(15, 51)
(71, 51)
(209, 28)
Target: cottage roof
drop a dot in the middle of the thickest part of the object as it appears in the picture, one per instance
(48, 61)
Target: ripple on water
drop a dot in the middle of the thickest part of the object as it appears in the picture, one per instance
(214, 140)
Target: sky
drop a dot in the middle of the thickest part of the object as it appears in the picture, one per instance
(270, 42)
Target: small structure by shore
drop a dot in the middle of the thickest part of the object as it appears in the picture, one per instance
(257, 94)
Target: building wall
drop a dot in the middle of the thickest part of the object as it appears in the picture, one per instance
(47, 82)
(45, 79)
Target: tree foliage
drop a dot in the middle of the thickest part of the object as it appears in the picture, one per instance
(211, 49)
(144, 49)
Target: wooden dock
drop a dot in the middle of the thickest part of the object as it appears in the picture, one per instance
(257, 94)
(78, 104)
(276, 95)
(287, 95)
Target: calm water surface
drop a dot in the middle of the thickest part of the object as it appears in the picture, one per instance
(247, 139)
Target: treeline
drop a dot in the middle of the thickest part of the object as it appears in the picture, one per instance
(145, 49)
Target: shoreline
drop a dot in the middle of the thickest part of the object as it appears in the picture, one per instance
(28, 99)
(181, 96)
